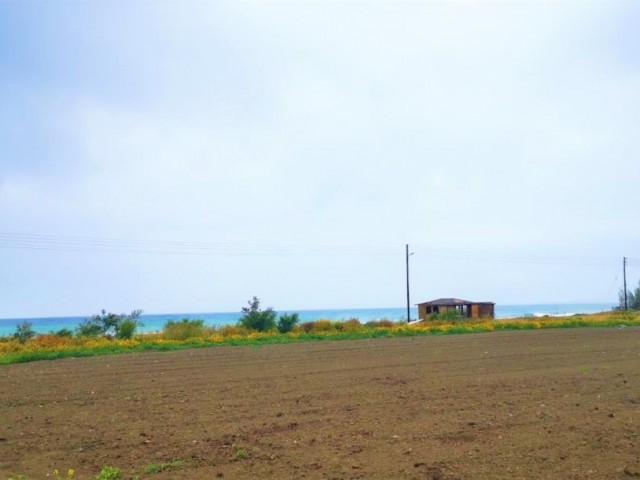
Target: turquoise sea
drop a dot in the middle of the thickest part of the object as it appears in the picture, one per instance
(154, 322)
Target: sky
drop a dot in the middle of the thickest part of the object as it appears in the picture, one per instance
(185, 156)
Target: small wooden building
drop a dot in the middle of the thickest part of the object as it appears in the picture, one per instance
(464, 307)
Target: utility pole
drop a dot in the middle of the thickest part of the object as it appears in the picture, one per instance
(624, 276)
(408, 301)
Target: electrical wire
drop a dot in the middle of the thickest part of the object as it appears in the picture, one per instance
(85, 244)
(92, 244)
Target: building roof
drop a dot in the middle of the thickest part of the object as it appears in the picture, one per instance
(447, 302)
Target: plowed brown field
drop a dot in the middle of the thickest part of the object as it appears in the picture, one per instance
(561, 404)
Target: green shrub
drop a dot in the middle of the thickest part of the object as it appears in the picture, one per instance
(228, 330)
(110, 324)
(323, 325)
(108, 473)
(127, 329)
(286, 322)
(183, 330)
(255, 318)
(89, 328)
(307, 326)
(24, 331)
(351, 325)
(382, 323)
(64, 332)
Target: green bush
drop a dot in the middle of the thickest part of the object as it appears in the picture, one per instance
(108, 473)
(90, 328)
(64, 332)
(110, 325)
(229, 330)
(183, 330)
(382, 323)
(287, 321)
(351, 325)
(323, 325)
(24, 331)
(255, 318)
(306, 326)
(127, 329)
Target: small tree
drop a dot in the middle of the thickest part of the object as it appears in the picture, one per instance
(90, 327)
(24, 331)
(111, 325)
(287, 321)
(633, 298)
(255, 318)
(127, 328)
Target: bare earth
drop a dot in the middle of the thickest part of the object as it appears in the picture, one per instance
(562, 404)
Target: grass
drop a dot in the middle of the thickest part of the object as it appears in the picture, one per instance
(241, 454)
(108, 473)
(111, 473)
(161, 467)
(50, 347)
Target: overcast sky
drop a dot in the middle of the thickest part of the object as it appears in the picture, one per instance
(184, 156)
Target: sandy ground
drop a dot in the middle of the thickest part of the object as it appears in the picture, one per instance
(562, 404)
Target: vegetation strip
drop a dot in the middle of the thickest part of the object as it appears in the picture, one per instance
(194, 334)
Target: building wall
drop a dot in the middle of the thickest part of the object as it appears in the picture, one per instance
(475, 310)
(486, 311)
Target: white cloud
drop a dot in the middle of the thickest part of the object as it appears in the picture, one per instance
(479, 127)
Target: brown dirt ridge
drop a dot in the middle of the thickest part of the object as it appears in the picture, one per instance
(547, 404)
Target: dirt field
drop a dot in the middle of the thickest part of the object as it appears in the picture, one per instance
(559, 404)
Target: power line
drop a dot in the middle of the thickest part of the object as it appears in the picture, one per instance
(88, 244)
(526, 258)
(163, 247)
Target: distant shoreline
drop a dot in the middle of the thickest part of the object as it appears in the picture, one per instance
(155, 322)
